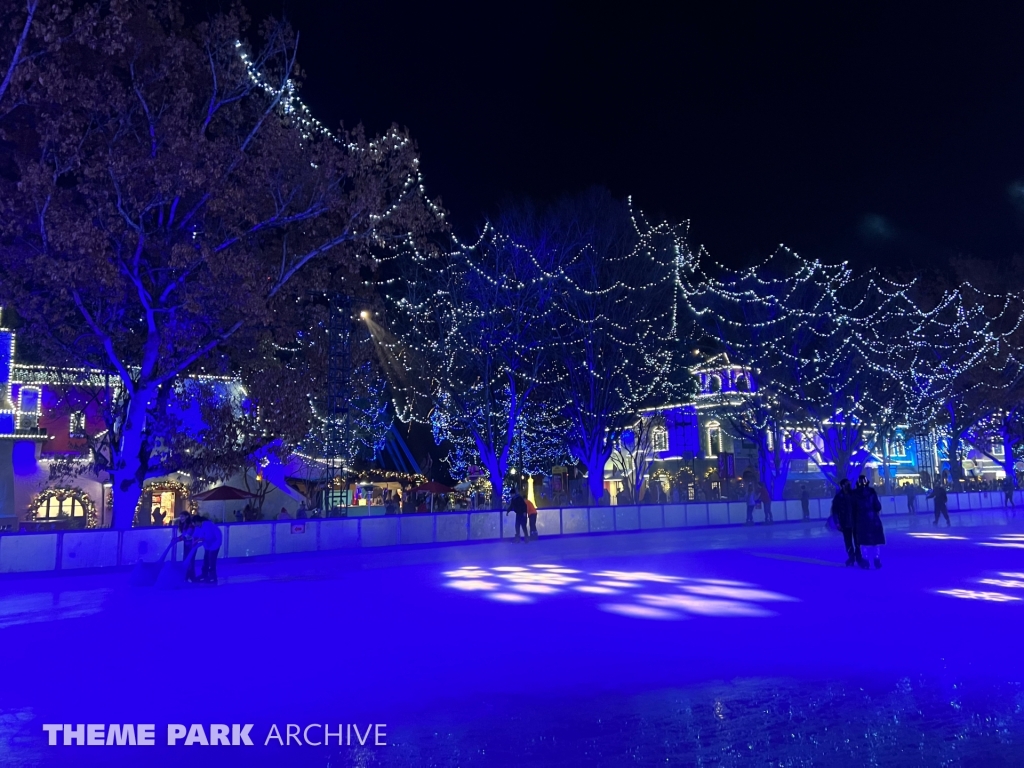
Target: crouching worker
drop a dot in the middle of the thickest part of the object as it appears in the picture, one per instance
(208, 534)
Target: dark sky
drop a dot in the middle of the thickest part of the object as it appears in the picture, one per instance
(883, 133)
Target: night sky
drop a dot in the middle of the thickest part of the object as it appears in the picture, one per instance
(881, 133)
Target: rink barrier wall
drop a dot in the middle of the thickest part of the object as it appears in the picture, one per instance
(98, 549)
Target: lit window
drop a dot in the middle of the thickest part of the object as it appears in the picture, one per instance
(78, 424)
(714, 438)
(659, 439)
(61, 503)
(899, 447)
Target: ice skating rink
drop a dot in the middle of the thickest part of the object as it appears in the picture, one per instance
(714, 647)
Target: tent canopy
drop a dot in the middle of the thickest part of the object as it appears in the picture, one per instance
(224, 493)
(432, 487)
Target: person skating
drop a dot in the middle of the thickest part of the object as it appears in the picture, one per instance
(805, 502)
(912, 499)
(185, 524)
(941, 499)
(531, 514)
(209, 535)
(766, 501)
(752, 499)
(867, 522)
(517, 504)
(842, 513)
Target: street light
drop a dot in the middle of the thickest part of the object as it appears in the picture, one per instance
(364, 314)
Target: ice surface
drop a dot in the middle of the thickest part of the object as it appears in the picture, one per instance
(482, 654)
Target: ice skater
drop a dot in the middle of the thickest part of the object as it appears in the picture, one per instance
(209, 535)
(186, 530)
(531, 515)
(517, 504)
(867, 522)
(766, 500)
(842, 513)
(939, 494)
(752, 499)
(805, 502)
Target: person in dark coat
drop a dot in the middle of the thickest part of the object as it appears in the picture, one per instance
(186, 534)
(867, 523)
(939, 494)
(842, 513)
(518, 505)
(805, 502)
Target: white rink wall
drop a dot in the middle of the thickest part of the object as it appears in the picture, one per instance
(104, 548)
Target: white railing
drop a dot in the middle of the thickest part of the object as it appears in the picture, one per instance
(104, 548)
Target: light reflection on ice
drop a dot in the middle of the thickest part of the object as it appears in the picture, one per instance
(638, 576)
(537, 589)
(466, 573)
(472, 585)
(704, 606)
(1005, 583)
(936, 536)
(510, 597)
(737, 593)
(640, 611)
(706, 597)
(971, 594)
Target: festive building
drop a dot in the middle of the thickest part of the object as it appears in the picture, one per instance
(697, 453)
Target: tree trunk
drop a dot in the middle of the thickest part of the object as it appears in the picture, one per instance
(1008, 445)
(496, 471)
(594, 458)
(129, 471)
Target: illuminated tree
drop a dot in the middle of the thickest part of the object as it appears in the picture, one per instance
(616, 337)
(172, 193)
(965, 370)
(819, 341)
(474, 332)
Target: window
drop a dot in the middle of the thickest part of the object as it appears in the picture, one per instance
(742, 385)
(714, 438)
(78, 424)
(59, 503)
(997, 447)
(899, 447)
(714, 384)
(659, 439)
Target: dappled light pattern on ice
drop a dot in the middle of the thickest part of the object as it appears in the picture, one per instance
(675, 597)
(1006, 580)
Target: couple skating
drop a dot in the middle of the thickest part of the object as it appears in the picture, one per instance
(856, 512)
